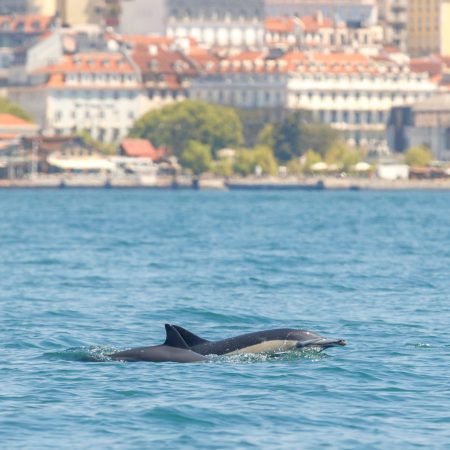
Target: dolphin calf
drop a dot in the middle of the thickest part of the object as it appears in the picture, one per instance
(182, 345)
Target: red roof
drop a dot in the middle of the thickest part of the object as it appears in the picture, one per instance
(10, 120)
(141, 148)
(91, 62)
(280, 24)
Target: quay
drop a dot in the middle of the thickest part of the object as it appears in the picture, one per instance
(237, 184)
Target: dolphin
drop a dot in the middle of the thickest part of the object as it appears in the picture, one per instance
(182, 345)
(174, 349)
(269, 341)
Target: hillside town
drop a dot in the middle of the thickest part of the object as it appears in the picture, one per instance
(89, 89)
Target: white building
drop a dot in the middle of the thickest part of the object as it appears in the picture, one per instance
(351, 92)
(142, 17)
(217, 23)
(99, 92)
(319, 32)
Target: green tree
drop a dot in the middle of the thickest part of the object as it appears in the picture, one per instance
(310, 158)
(223, 168)
(263, 157)
(343, 156)
(248, 159)
(418, 156)
(244, 162)
(266, 136)
(175, 125)
(7, 107)
(196, 157)
(294, 135)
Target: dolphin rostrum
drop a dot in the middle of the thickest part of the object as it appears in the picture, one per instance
(183, 346)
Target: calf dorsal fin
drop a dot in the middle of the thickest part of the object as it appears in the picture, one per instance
(173, 338)
(191, 339)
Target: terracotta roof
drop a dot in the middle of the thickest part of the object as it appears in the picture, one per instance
(10, 120)
(312, 24)
(25, 24)
(91, 62)
(171, 65)
(141, 148)
(280, 24)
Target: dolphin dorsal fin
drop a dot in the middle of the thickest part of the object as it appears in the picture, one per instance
(191, 339)
(173, 338)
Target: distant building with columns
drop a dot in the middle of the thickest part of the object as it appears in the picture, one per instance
(217, 23)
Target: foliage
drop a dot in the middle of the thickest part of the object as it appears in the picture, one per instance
(248, 159)
(343, 156)
(196, 157)
(294, 167)
(223, 168)
(88, 140)
(418, 156)
(294, 135)
(309, 159)
(254, 121)
(7, 107)
(175, 125)
(266, 136)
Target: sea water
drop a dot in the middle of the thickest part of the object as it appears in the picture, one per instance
(87, 272)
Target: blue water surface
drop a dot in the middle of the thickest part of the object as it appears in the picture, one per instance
(87, 272)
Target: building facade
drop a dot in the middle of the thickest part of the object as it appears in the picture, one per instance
(351, 92)
(96, 92)
(81, 12)
(393, 15)
(349, 11)
(320, 32)
(217, 23)
(431, 126)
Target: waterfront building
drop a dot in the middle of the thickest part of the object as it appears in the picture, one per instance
(96, 92)
(352, 92)
(320, 32)
(352, 12)
(165, 68)
(217, 23)
(141, 148)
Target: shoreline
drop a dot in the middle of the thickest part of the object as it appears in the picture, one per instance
(269, 183)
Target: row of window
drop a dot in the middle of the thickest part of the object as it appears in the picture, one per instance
(356, 117)
(77, 114)
(93, 94)
(100, 78)
(355, 96)
(100, 134)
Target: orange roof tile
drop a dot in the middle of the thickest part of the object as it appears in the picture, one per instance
(141, 148)
(93, 62)
(280, 24)
(10, 120)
